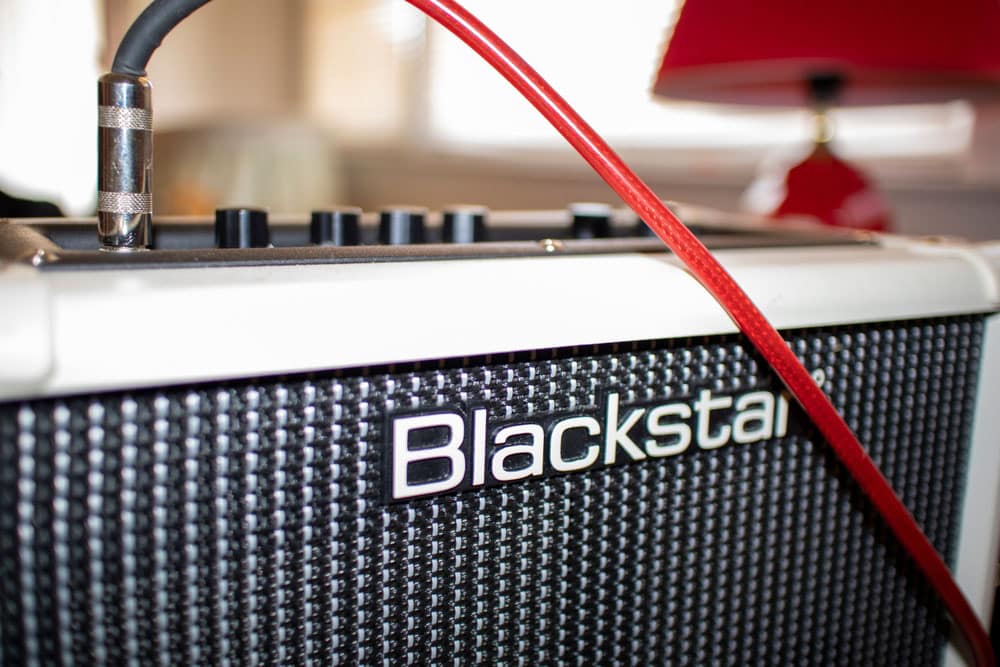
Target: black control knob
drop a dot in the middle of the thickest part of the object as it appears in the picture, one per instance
(336, 226)
(464, 224)
(402, 226)
(642, 229)
(591, 221)
(241, 228)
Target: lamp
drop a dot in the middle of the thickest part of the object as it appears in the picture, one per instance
(844, 53)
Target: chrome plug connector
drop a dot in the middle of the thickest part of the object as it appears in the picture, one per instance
(125, 162)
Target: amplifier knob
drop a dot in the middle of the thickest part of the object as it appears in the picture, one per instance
(464, 224)
(402, 226)
(336, 226)
(642, 229)
(241, 228)
(591, 221)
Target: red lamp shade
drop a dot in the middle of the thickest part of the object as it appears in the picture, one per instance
(842, 52)
(885, 51)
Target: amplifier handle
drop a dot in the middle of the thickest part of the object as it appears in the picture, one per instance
(145, 35)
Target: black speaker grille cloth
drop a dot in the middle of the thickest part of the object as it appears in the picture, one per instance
(243, 522)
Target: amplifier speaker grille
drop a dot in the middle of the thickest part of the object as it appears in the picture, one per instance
(243, 522)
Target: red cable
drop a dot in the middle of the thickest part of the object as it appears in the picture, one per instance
(733, 299)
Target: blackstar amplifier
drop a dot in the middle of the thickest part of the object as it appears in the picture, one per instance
(538, 449)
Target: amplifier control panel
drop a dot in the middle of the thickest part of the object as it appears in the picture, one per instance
(248, 236)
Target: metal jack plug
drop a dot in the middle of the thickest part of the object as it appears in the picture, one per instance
(125, 162)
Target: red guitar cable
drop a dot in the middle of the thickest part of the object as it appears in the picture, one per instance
(730, 296)
(162, 15)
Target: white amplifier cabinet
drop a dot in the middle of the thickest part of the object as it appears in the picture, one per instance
(539, 449)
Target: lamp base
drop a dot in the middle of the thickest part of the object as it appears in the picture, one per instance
(832, 191)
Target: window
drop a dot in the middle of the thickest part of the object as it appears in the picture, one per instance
(48, 117)
(602, 57)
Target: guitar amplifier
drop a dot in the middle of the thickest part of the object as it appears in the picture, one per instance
(538, 449)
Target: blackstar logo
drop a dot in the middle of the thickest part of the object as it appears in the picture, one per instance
(446, 450)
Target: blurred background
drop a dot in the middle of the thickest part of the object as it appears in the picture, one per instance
(297, 104)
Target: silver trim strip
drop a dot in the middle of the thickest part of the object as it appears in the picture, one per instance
(124, 202)
(124, 118)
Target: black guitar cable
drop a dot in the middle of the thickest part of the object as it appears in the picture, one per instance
(147, 32)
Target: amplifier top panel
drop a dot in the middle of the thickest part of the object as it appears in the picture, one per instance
(250, 237)
(242, 296)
